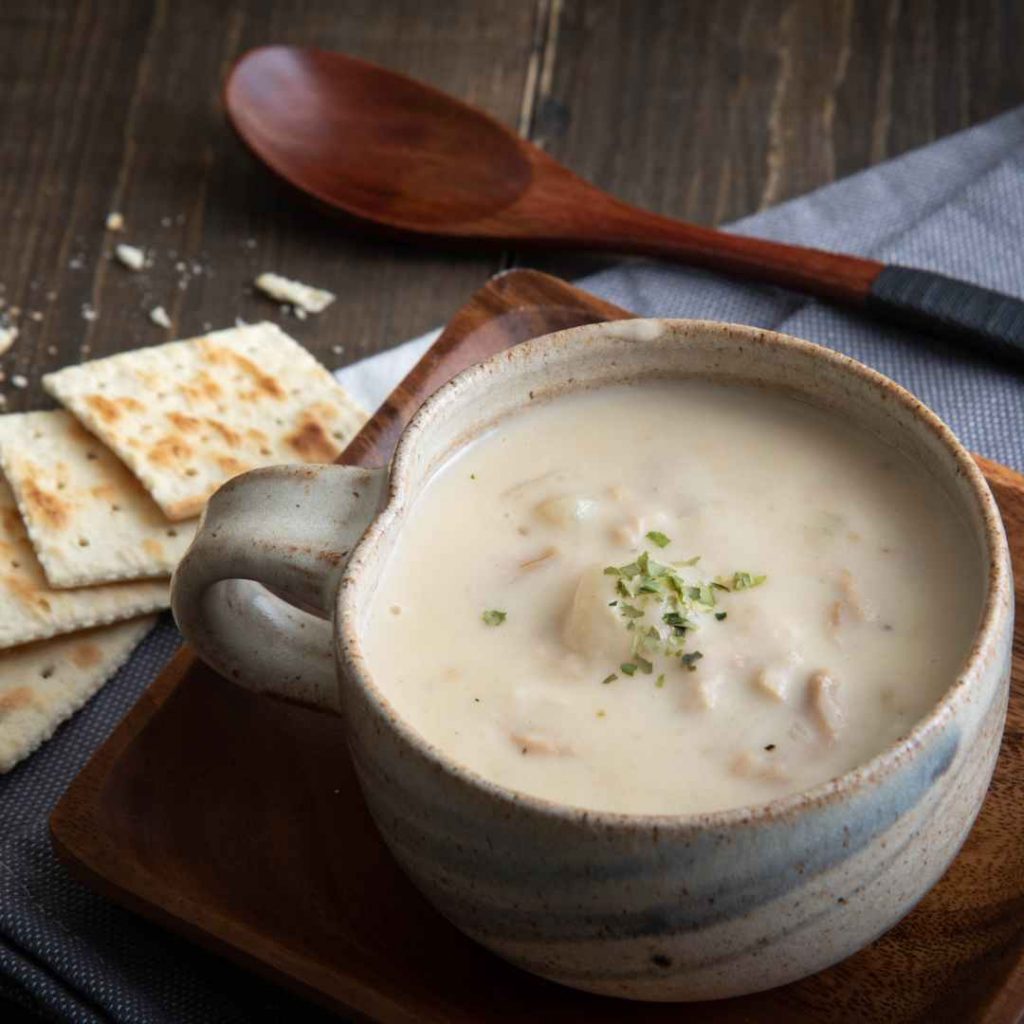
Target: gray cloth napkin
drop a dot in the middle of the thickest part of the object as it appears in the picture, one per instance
(956, 206)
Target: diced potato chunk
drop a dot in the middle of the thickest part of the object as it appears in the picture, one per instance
(629, 533)
(567, 510)
(700, 692)
(775, 679)
(592, 627)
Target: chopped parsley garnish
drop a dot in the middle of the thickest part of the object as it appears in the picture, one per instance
(609, 679)
(660, 607)
(690, 660)
(739, 581)
(660, 681)
(492, 617)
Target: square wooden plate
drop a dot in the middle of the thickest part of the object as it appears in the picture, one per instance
(236, 821)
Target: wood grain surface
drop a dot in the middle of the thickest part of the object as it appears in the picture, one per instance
(701, 110)
(256, 844)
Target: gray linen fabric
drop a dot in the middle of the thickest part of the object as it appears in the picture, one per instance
(956, 206)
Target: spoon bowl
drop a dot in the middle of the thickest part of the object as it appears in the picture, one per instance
(374, 143)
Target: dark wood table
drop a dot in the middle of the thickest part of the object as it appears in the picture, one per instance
(704, 109)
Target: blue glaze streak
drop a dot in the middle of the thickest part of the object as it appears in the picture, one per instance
(560, 889)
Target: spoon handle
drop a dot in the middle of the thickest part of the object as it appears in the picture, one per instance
(984, 321)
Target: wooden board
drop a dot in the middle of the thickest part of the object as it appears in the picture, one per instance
(236, 821)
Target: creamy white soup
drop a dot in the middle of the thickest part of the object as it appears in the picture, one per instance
(673, 597)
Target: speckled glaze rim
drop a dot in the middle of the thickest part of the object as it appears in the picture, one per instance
(993, 550)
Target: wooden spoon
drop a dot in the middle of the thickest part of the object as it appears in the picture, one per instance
(386, 149)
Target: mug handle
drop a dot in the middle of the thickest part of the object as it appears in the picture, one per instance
(254, 592)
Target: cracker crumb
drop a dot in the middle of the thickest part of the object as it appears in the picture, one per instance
(8, 336)
(51, 295)
(19, 380)
(165, 222)
(36, 316)
(88, 313)
(131, 256)
(76, 263)
(300, 313)
(115, 221)
(337, 349)
(312, 300)
(159, 316)
(51, 350)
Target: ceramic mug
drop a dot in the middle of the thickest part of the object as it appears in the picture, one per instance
(273, 594)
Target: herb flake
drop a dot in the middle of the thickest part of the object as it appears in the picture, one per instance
(690, 660)
(676, 602)
(493, 617)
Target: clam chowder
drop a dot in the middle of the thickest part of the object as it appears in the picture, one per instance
(673, 597)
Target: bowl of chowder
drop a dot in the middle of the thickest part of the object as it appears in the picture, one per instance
(672, 656)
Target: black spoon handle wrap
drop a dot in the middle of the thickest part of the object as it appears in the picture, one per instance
(987, 321)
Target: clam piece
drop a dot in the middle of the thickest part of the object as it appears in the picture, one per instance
(538, 743)
(542, 558)
(823, 700)
(540, 723)
(851, 605)
(750, 765)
